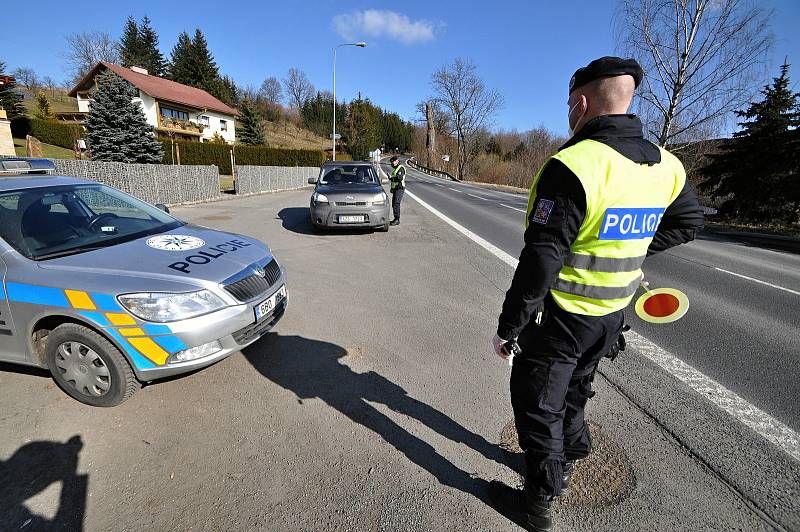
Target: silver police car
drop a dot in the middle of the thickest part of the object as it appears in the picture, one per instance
(107, 291)
(349, 194)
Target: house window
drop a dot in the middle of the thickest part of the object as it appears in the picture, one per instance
(174, 113)
(223, 125)
(204, 120)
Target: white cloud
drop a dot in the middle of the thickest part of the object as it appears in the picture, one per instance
(383, 23)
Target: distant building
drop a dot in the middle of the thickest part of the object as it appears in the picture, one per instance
(173, 109)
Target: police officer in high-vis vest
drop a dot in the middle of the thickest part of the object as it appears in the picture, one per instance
(606, 200)
(398, 186)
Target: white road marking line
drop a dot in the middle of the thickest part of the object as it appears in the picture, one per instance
(795, 292)
(485, 244)
(510, 207)
(474, 196)
(749, 415)
(454, 189)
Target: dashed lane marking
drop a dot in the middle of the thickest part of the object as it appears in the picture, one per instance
(474, 196)
(759, 281)
(510, 207)
(749, 415)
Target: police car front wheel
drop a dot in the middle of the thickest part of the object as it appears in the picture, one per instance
(88, 367)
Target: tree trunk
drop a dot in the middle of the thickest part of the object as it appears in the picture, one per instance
(430, 140)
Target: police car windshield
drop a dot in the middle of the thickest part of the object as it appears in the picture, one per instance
(50, 222)
(348, 175)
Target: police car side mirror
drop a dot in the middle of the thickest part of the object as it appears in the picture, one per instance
(312, 180)
(162, 207)
(384, 181)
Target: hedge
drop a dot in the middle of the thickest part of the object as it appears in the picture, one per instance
(55, 133)
(219, 155)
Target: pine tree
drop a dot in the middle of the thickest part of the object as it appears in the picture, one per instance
(181, 61)
(10, 99)
(223, 89)
(249, 128)
(363, 129)
(43, 109)
(116, 129)
(192, 64)
(131, 46)
(152, 59)
(759, 167)
(205, 67)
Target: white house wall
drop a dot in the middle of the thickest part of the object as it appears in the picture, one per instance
(149, 108)
(214, 126)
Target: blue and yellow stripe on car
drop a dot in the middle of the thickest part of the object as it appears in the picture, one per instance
(148, 345)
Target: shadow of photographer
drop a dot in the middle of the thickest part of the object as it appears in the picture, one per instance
(313, 369)
(30, 471)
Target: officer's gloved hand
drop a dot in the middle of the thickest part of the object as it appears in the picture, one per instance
(619, 345)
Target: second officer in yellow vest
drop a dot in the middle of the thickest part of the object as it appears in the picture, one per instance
(597, 208)
(398, 185)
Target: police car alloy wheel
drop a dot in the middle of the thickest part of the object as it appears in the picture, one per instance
(88, 367)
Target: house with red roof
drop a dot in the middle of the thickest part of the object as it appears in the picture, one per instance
(175, 110)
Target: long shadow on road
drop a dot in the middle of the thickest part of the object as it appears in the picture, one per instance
(313, 369)
(31, 470)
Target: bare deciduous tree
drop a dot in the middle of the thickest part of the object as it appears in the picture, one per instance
(702, 59)
(50, 84)
(469, 104)
(27, 78)
(271, 90)
(298, 87)
(84, 50)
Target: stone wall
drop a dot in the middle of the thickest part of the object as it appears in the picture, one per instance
(154, 183)
(254, 179)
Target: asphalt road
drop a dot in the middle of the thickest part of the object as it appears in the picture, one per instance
(375, 404)
(743, 333)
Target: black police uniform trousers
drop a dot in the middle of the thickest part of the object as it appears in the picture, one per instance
(397, 197)
(551, 382)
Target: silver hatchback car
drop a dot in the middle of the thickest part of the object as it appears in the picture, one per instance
(107, 291)
(349, 194)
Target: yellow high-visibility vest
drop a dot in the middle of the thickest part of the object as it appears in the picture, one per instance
(625, 202)
(398, 181)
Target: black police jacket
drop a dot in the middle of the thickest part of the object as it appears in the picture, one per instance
(546, 245)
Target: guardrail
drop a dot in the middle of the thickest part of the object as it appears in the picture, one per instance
(431, 171)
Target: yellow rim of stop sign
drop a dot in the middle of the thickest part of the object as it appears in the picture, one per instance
(678, 313)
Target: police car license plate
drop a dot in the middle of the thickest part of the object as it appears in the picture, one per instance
(352, 219)
(267, 306)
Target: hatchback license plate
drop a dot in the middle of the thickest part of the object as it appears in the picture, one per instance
(354, 219)
(267, 306)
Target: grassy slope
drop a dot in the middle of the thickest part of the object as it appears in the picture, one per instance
(59, 101)
(287, 135)
(49, 151)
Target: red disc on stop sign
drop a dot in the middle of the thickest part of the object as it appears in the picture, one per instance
(662, 305)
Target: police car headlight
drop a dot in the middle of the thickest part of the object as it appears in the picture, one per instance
(318, 198)
(165, 306)
(379, 199)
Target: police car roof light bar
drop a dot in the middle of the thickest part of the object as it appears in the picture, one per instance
(23, 165)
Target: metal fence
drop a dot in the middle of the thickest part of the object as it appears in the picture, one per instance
(154, 183)
(254, 179)
(438, 173)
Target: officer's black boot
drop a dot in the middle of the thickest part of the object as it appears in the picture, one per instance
(396, 221)
(568, 467)
(530, 511)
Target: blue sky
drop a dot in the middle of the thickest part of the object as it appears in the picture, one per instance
(525, 49)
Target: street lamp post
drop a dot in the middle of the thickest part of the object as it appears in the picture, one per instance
(360, 44)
